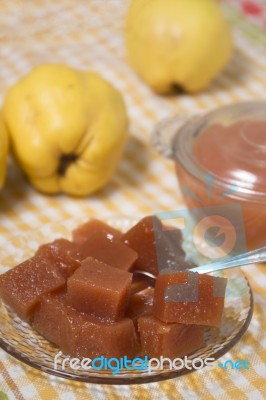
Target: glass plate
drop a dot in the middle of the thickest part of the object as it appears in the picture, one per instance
(19, 340)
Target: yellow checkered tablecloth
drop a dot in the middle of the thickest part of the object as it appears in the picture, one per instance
(89, 35)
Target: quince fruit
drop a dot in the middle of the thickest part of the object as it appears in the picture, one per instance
(3, 151)
(177, 43)
(67, 128)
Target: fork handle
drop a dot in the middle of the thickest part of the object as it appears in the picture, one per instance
(251, 257)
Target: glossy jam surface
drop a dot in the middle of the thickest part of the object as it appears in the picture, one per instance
(236, 157)
(236, 154)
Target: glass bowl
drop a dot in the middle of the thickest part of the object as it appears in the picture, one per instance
(220, 159)
(19, 339)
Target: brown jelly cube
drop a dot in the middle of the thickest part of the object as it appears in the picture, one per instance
(59, 248)
(141, 239)
(49, 315)
(63, 253)
(84, 231)
(99, 289)
(96, 339)
(23, 286)
(140, 304)
(168, 340)
(81, 335)
(191, 298)
(157, 247)
(111, 252)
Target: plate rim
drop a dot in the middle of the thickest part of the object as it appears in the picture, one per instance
(123, 380)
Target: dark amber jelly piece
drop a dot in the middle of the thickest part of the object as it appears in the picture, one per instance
(84, 231)
(168, 340)
(63, 253)
(111, 252)
(23, 286)
(99, 289)
(157, 247)
(193, 298)
(81, 335)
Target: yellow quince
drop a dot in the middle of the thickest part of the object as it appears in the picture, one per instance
(67, 128)
(177, 43)
(3, 151)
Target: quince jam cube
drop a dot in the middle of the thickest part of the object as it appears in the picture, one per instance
(49, 314)
(168, 340)
(63, 253)
(157, 246)
(23, 286)
(59, 248)
(99, 289)
(111, 252)
(117, 339)
(84, 231)
(80, 335)
(189, 298)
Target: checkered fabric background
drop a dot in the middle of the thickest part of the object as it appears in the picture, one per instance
(89, 35)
